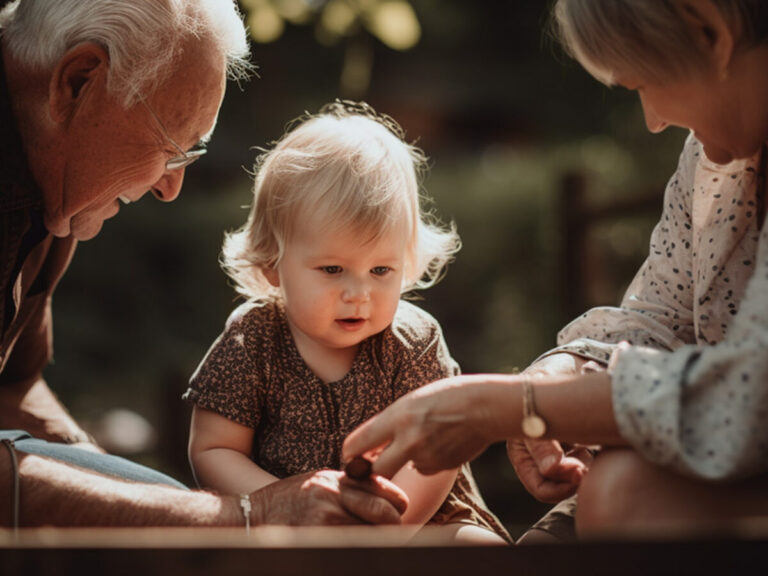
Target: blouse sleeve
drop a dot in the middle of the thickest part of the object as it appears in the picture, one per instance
(703, 410)
(227, 379)
(657, 308)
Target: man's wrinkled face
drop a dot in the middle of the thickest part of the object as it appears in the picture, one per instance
(116, 156)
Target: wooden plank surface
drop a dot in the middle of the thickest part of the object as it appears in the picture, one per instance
(366, 551)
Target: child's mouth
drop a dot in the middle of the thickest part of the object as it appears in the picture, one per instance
(350, 323)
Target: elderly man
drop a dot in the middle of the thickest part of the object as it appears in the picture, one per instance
(100, 103)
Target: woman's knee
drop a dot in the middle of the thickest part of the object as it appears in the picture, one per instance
(611, 494)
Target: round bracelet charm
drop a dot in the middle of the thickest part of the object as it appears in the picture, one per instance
(534, 426)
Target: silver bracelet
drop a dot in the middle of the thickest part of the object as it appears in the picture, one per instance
(245, 505)
(15, 489)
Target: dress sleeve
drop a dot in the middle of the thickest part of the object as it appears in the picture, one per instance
(227, 380)
(657, 308)
(423, 355)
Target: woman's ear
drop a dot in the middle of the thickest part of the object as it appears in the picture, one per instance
(74, 75)
(272, 275)
(713, 33)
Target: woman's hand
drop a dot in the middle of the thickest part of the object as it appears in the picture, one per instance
(438, 427)
(546, 470)
(451, 421)
(543, 466)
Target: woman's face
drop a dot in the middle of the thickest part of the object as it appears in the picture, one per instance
(726, 112)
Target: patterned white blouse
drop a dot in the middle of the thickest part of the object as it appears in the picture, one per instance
(692, 391)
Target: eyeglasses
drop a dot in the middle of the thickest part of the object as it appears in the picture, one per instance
(184, 159)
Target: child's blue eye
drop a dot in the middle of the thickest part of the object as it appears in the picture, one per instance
(331, 269)
(380, 270)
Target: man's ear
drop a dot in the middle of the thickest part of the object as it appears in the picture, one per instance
(272, 275)
(74, 75)
(713, 33)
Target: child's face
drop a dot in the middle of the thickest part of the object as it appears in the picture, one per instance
(338, 287)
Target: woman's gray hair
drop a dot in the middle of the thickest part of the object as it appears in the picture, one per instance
(143, 37)
(647, 37)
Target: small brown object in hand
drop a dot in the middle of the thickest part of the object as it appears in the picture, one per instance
(358, 468)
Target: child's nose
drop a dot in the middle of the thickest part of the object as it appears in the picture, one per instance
(356, 291)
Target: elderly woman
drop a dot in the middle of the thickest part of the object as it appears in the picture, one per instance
(683, 403)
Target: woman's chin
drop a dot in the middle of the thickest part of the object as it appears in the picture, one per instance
(718, 155)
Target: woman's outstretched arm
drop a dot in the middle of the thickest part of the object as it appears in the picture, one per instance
(449, 422)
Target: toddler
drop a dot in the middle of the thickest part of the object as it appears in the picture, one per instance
(334, 237)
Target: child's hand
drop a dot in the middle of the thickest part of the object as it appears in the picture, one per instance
(548, 472)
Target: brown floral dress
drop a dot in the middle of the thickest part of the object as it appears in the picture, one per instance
(254, 375)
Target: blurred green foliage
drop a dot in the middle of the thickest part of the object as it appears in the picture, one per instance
(502, 117)
(352, 23)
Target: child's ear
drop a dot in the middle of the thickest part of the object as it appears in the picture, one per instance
(272, 275)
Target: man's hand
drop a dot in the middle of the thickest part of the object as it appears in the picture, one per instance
(329, 497)
(548, 472)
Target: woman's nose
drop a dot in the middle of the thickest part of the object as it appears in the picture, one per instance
(168, 187)
(653, 121)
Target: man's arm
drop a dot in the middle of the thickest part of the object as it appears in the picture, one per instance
(31, 406)
(55, 493)
(58, 494)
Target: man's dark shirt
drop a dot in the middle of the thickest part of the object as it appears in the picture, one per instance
(31, 260)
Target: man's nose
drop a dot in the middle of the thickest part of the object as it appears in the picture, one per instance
(168, 187)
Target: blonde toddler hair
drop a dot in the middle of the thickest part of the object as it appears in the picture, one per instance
(350, 166)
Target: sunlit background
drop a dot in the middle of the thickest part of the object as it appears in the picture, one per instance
(538, 165)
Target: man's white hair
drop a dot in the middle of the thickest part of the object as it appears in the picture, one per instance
(143, 37)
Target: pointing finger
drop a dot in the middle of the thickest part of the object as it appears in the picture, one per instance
(371, 434)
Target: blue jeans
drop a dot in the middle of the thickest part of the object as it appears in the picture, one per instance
(102, 463)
